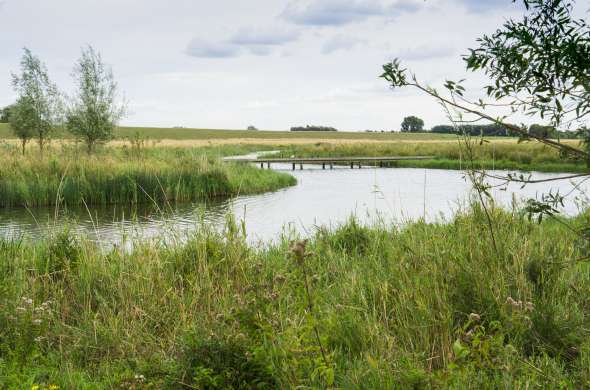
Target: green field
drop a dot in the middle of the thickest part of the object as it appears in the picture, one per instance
(426, 306)
(205, 134)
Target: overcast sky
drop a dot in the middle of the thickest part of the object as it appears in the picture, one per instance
(268, 63)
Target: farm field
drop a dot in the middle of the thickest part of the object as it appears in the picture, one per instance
(180, 134)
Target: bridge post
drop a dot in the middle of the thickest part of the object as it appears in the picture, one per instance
(300, 166)
(331, 166)
(293, 166)
(268, 165)
(323, 165)
(352, 165)
(261, 165)
(359, 165)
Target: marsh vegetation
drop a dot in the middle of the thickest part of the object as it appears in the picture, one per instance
(427, 305)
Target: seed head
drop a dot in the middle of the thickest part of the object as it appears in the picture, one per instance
(474, 317)
(298, 250)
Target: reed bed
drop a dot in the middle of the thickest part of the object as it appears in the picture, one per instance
(423, 306)
(530, 156)
(125, 176)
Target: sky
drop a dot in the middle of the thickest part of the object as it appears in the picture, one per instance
(272, 64)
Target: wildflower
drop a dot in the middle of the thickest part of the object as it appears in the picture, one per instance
(20, 309)
(139, 377)
(529, 306)
(37, 321)
(38, 339)
(274, 296)
(27, 301)
(474, 317)
(35, 387)
(297, 249)
(53, 387)
(280, 278)
(515, 304)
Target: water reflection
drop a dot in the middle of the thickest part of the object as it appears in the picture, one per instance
(321, 198)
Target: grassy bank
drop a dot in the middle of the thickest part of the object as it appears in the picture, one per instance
(427, 306)
(126, 176)
(531, 156)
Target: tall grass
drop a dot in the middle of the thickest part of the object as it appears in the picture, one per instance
(124, 176)
(448, 155)
(423, 306)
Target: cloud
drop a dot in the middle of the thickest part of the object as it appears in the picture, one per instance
(341, 43)
(480, 6)
(421, 53)
(259, 42)
(203, 49)
(263, 37)
(341, 12)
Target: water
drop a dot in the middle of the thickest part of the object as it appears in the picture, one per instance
(321, 198)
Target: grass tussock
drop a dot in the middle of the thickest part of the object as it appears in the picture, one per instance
(495, 154)
(424, 306)
(127, 176)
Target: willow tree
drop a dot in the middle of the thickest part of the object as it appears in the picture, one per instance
(38, 107)
(95, 110)
(22, 121)
(538, 66)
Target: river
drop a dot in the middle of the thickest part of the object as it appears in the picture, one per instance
(321, 198)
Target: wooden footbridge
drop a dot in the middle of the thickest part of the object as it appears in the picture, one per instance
(328, 161)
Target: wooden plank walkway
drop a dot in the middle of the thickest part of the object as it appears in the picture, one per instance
(330, 161)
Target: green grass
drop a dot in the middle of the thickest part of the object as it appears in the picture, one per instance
(156, 133)
(530, 156)
(392, 306)
(125, 176)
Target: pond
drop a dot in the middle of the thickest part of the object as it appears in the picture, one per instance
(321, 198)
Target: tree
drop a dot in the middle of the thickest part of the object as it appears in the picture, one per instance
(21, 120)
(94, 111)
(5, 113)
(38, 102)
(541, 63)
(542, 131)
(412, 124)
(539, 66)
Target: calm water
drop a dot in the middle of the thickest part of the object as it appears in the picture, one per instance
(321, 198)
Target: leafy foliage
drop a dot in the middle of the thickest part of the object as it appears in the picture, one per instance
(95, 111)
(38, 107)
(412, 124)
(541, 62)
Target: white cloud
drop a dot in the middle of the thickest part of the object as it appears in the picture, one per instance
(320, 63)
(341, 43)
(250, 36)
(204, 49)
(256, 41)
(425, 52)
(341, 12)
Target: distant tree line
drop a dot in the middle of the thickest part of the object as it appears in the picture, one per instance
(496, 130)
(313, 128)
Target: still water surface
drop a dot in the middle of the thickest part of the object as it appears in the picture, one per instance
(321, 198)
